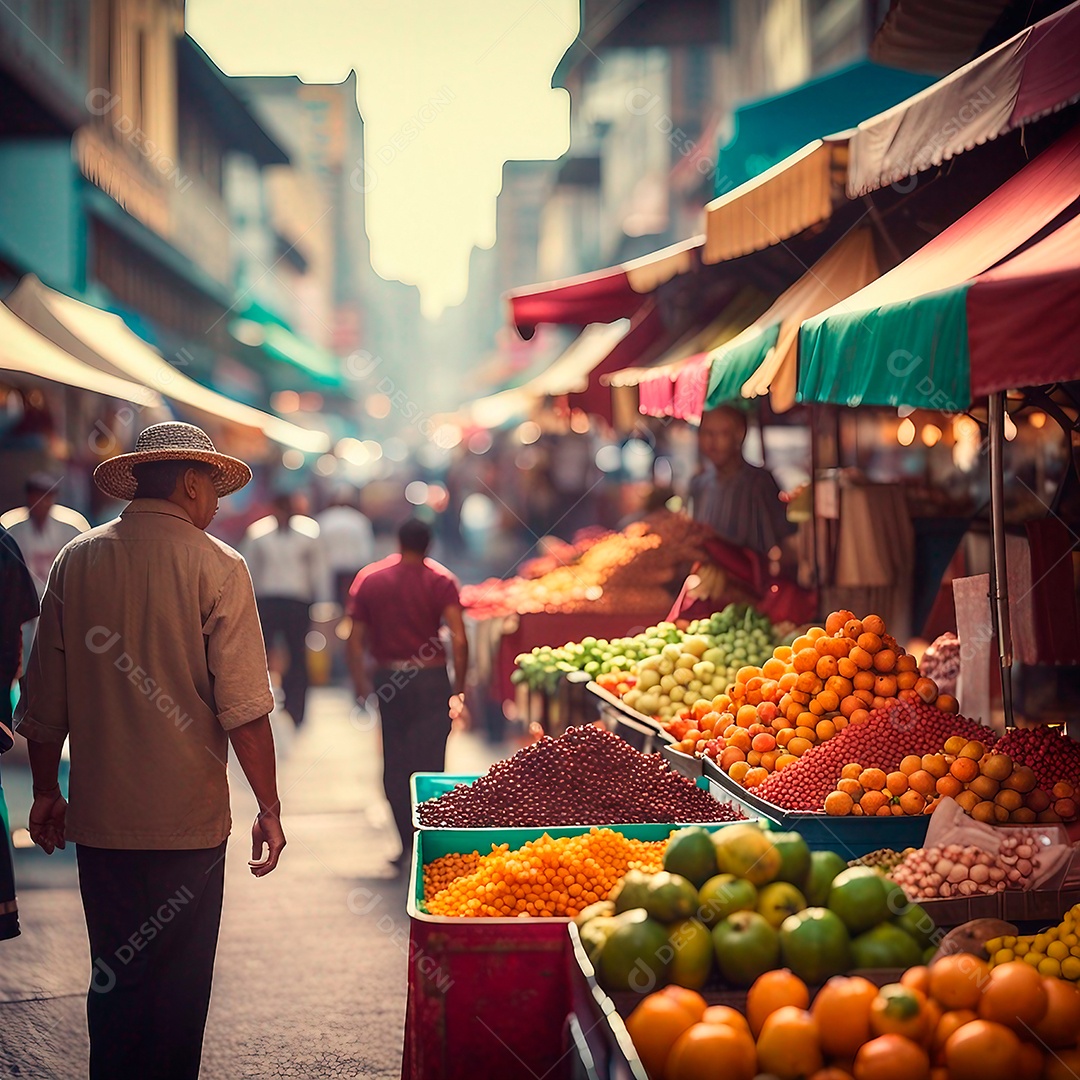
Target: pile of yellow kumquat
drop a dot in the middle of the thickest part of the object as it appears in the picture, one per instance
(543, 878)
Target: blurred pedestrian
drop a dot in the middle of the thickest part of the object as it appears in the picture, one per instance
(288, 567)
(347, 538)
(150, 660)
(738, 500)
(398, 606)
(18, 605)
(41, 528)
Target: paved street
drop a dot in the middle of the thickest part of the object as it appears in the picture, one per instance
(304, 987)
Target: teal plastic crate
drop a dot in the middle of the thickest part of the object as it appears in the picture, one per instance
(426, 786)
(431, 844)
(430, 785)
(850, 837)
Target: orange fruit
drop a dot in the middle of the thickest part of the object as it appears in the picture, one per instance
(655, 1026)
(912, 802)
(906, 662)
(873, 779)
(917, 978)
(885, 686)
(1061, 1021)
(853, 628)
(826, 729)
(921, 781)
(851, 771)
(725, 1014)
(863, 660)
(755, 776)
(805, 660)
(846, 667)
(770, 992)
(841, 686)
(965, 769)
(906, 680)
(838, 803)
(698, 1051)
(949, 1022)
(863, 680)
(899, 1010)
(949, 786)
(690, 1000)
(789, 1044)
(885, 662)
(831, 1072)
(896, 783)
(935, 765)
(834, 624)
(947, 703)
(873, 801)
(874, 624)
(850, 704)
(982, 1050)
(892, 1057)
(1014, 995)
(826, 667)
(870, 643)
(956, 981)
(738, 771)
(910, 764)
(842, 1010)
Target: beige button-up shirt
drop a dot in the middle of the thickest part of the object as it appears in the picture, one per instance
(148, 651)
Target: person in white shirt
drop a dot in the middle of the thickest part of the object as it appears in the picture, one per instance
(41, 528)
(348, 540)
(290, 573)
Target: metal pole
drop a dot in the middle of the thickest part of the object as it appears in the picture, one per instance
(999, 579)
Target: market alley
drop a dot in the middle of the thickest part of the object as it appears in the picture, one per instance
(311, 967)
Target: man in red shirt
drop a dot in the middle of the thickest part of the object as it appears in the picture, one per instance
(398, 606)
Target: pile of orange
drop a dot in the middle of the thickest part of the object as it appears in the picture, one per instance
(804, 694)
(543, 878)
(988, 786)
(956, 1020)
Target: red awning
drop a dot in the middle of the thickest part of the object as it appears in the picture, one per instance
(646, 338)
(604, 295)
(1024, 316)
(1034, 73)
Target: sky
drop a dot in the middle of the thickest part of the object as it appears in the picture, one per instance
(448, 91)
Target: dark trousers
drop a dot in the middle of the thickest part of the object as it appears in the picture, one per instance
(152, 918)
(289, 618)
(415, 711)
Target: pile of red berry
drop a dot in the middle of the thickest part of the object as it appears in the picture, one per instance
(586, 777)
(879, 742)
(1048, 752)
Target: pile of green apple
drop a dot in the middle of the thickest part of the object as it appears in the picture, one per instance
(710, 651)
(737, 902)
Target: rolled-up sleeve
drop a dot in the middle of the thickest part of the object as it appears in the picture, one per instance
(235, 653)
(42, 712)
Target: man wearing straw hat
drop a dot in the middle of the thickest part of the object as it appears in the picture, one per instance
(149, 660)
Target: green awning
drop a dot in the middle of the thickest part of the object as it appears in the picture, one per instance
(769, 130)
(262, 328)
(738, 364)
(913, 353)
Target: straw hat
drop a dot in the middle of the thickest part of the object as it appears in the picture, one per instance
(171, 441)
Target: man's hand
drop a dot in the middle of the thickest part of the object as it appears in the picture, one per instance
(459, 712)
(48, 817)
(266, 832)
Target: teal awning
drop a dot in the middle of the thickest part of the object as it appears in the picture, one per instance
(769, 130)
(737, 365)
(262, 328)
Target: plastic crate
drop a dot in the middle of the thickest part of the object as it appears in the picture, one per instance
(431, 785)
(849, 836)
(487, 997)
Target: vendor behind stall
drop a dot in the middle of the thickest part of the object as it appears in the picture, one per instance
(739, 500)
